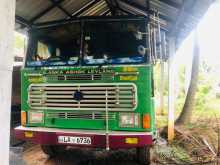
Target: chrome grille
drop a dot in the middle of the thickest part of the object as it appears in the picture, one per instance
(81, 77)
(120, 96)
(80, 115)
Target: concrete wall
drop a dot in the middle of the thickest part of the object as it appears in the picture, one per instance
(7, 10)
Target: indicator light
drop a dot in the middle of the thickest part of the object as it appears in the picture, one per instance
(131, 140)
(23, 118)
(146, 121)
(28, 134)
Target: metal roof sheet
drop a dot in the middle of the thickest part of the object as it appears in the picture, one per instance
(74, 5)
(27, 9)
(177, 17)
(52, 15)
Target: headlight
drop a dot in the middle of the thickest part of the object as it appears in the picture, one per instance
(129, 120)
(36, 117)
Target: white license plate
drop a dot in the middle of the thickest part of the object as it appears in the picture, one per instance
(74, 140)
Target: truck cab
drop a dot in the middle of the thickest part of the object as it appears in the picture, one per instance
(88, 82)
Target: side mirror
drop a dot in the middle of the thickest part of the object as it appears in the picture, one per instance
(142, 50)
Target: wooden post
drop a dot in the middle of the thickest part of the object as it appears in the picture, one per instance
(171, 94)
(7, 17)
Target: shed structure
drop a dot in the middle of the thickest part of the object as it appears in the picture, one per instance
(177, 17)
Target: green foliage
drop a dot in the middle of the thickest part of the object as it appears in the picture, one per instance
(157, 79)
(204, 87)
(181, 89)
(18, 41)
(180, 154)
(202, 96)
(203, 92)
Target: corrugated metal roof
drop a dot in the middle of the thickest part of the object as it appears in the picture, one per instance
(52, 15)
(74, 5)
(27, 9)
(177, 17)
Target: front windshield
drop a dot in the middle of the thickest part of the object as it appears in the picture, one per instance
(109, 41)
(54, 46)
(114, 42)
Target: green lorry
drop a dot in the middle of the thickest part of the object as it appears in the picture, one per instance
(88, 82)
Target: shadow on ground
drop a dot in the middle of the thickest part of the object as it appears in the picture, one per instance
(75, 156)
(91, 157)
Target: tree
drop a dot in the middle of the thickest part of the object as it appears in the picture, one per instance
(189, 105)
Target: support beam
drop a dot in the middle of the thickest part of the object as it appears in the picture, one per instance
(45, 11)
(121, 9)
(125, 11)
(22, 21)
(171, 90)
(111, 7)
(7, 18)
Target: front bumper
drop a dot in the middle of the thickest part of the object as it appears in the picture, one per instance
(49, 136)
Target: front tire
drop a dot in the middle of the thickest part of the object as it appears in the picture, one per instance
(144, 155)
(52, 150)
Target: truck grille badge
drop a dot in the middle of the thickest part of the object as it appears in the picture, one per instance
(78, 95)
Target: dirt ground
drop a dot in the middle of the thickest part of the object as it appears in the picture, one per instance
(34, 156)
(195, 143)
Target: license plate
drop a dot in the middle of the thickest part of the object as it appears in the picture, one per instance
(74, 140)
